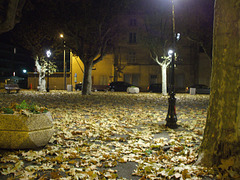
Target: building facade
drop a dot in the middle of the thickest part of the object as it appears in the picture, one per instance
(130, 61)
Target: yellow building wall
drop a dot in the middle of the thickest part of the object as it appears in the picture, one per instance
(77, 69)
(102, 72)
(144, 72)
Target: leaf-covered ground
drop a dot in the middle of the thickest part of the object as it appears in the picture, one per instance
(111, 136)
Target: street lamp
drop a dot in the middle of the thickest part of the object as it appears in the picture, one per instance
(171, 116)
(64, 61)
(48, 52)
(170, 52)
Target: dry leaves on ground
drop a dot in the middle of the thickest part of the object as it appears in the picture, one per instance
(96, 135)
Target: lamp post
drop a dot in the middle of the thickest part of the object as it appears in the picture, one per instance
(64, 61)
(171, 116)
(48, 55)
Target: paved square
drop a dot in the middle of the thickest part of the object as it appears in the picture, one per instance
(111, 135)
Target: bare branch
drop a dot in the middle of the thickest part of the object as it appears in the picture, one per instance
(201, 44)
(155, 58)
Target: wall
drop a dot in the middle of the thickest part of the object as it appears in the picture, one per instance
(102, 72)
(56, 80)
(204, 69)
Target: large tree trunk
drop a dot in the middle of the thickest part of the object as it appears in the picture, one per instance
(12, 16)
(164, 79)
(221, 142)
(87, 78)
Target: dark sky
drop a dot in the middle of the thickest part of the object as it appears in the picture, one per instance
(185, 11)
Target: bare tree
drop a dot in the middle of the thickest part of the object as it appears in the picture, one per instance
(164, 62)
(44, 67)
(158, 40)
(89, 27)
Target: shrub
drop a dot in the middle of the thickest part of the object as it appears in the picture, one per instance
(23, 108)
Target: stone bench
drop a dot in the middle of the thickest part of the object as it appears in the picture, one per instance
(11, 87)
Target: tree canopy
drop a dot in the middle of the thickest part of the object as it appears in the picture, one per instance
(88, 28)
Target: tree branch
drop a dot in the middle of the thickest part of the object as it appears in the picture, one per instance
(201, 44)
(155, 58)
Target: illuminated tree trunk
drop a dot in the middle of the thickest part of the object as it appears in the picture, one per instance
(221, 142)
(164, 79)
(41, 69)
(164, 63)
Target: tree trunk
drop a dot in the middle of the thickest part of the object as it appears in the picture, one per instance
(164, 79)
(221, 142)
(9, 21)
(42, 81)
(87, 78)
(41, 69)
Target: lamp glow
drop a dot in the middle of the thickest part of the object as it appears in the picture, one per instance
(178, 36)
(170, 53)
(48, 52)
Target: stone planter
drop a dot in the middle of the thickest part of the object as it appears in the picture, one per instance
(133, 90)
(25, 132)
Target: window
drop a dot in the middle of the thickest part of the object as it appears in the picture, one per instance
(132, 38)
(132, 79)
(132, 57)
(153, 76)
(153, 79)
(133, 22)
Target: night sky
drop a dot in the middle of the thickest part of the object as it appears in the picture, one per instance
(184, 9)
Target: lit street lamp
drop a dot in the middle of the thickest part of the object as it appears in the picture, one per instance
(171, 116)
(48, 52)
(64, 61)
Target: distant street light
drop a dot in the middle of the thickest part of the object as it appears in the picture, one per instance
(170, 52)
(24, 71)
(48, 52)
(171, 116)
(64, 61)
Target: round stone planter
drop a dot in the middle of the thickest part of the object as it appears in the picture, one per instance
(25, 132)
(133, 90)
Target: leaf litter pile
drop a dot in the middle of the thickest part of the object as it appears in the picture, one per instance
(111, 136)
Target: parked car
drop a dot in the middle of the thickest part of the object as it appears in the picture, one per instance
(78, 86)
(200, 89)
(119, 86)
(155, 88)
